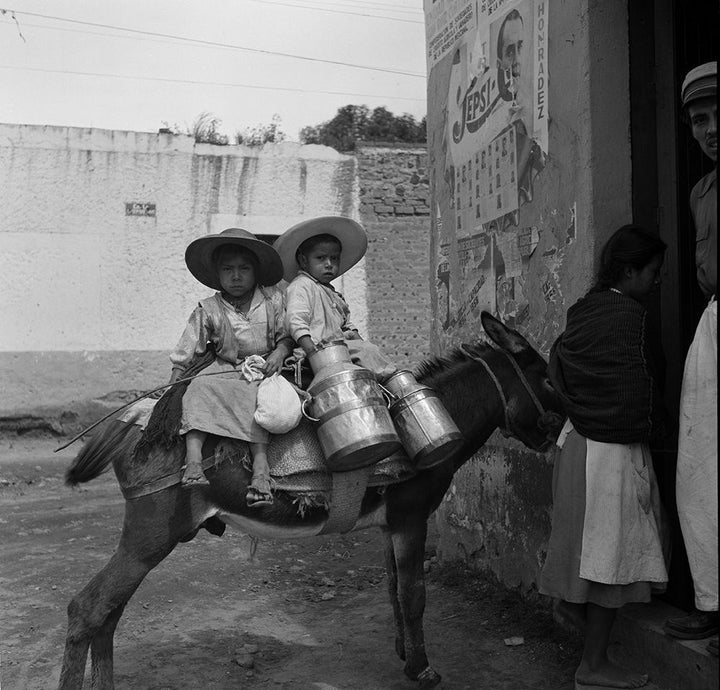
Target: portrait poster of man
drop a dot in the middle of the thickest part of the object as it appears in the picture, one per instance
(487, 127)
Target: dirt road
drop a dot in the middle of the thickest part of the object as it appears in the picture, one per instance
(304, 614)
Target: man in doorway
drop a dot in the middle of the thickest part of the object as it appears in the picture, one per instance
(697, 487)
(510, 42)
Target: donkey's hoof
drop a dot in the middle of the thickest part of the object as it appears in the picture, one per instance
(400, 648)
(428, 678)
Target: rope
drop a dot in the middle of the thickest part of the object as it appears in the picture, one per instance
(133, 401)
(521, 376)
(495, 380)
(538, 405)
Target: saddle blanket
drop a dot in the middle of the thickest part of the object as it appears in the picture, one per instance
(296, 459)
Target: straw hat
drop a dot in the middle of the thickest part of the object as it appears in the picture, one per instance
(199, 257)
(350, 234)
(267, 237)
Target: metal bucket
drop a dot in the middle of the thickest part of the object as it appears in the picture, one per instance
(330, 354)
(424, 426)
(354, 424)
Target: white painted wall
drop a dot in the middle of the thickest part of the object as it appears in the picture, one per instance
(81, 279)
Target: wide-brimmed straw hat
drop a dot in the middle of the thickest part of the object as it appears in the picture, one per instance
(267, 237)
(348, 232)
(199, 257)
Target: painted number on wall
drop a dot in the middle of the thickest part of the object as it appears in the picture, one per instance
(139, 208)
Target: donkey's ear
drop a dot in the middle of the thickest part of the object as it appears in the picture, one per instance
(506, 338)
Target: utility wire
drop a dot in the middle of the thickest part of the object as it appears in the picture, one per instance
(218, 44)
(208, 83)
(355, 14)
(374, 6)
(87, 32)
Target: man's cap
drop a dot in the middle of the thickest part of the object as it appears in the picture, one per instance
(700, 82)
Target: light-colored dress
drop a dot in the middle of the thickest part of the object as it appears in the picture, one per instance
(320, 311)
(224, 402)
(607, 545)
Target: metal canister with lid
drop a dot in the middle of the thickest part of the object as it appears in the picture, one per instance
(426, 429)
(354, 425)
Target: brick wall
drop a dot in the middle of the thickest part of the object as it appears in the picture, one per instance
(394, 198)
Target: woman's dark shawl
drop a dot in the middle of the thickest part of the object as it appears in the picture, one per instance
(602, 369)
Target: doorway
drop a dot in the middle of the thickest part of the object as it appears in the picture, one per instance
(667, 39)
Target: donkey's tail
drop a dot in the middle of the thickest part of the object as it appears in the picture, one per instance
(115, 441)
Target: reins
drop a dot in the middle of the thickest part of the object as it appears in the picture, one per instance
(493, 377)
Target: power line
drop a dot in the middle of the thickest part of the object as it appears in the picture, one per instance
(221, 45)
(355, 14)
(207, 83)
(375, 6)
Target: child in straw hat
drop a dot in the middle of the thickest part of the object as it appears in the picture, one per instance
(245, 317)
(315, 252)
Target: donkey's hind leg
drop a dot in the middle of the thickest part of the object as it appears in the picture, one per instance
(94, 613)
(101, 650)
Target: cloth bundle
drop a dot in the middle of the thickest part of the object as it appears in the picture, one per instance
(278, 405)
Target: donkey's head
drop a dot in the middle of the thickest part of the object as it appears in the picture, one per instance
(532, 410)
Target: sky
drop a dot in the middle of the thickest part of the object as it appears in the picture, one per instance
(57, 72)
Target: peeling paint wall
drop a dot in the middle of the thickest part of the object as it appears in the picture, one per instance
(93, 230)
(527, 266)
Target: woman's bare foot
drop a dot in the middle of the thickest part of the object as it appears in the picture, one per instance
(608, 675)
(569, 615)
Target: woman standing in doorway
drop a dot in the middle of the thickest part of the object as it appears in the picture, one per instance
(605, 548)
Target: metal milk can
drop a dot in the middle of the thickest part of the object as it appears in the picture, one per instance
(426, 429)
(354, 424)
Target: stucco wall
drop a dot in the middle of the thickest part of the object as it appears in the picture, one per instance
(93, 298)
(497, 513)
(394, 198)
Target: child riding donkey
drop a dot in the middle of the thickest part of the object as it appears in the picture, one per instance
(314, 253)
(243, 320)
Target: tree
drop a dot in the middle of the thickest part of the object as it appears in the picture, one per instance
(382, 126)
(355, 123)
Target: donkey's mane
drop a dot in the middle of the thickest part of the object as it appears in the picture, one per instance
(434, 366)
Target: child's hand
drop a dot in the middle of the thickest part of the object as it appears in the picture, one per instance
(351, 335)
(273, 363)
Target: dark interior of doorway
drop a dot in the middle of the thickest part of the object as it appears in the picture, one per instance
(668, 38)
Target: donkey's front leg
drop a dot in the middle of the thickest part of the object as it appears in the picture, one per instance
(408, 541)
(391, 568)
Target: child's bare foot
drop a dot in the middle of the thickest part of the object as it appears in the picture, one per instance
(193, 475)
(608, 675)
(258, 492)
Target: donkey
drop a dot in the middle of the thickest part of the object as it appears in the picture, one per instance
(482, 387)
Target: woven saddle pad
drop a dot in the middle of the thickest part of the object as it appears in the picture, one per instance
(296, 460)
